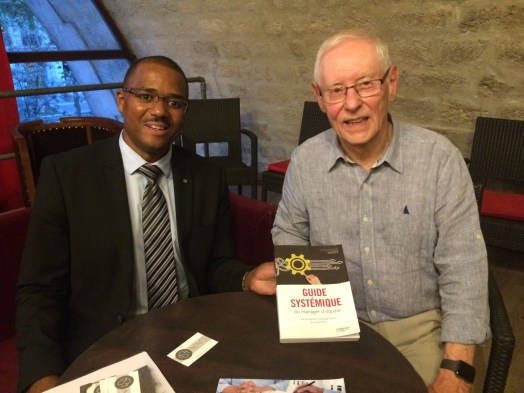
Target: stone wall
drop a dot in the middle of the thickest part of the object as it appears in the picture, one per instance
(458, 59)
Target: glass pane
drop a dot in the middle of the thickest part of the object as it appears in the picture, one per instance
(54, 25)
(59, 25)
(28, 76)
(51, 107)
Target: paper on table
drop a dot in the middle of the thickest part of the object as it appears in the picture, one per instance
(192, 349)
(124, 367)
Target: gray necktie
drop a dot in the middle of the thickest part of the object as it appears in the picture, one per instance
(158, 243)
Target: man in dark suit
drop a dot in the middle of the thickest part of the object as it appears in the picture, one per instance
(83, 270)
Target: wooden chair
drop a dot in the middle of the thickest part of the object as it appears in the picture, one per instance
(314, 121)
(34, 140)
(212, 129)
(496, 166)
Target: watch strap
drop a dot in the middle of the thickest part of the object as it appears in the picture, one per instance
(461, 369)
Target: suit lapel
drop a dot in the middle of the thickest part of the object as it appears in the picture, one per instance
(184, 189)
(114, 188)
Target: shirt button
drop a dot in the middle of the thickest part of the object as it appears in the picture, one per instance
(366, 250)
(365, 219)
(370, 282)
(374, 313)
(364, 185)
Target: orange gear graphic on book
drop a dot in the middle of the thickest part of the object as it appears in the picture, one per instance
(297, 264)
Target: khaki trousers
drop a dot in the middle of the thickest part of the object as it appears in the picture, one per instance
(418, 339)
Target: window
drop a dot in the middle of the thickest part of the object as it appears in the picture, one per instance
(67, 57)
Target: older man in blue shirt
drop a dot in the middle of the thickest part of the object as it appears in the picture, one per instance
(400, 200)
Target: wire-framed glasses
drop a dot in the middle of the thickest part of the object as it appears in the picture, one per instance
(175, 104)
(337, 93)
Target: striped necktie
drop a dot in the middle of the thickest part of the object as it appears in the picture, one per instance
(158, 243)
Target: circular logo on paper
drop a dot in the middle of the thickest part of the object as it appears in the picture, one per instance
(184, 354)
(124, 382)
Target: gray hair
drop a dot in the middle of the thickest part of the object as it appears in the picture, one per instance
(347, 35)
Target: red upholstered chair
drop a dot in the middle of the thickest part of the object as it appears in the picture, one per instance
(251, 223)
(13, 230)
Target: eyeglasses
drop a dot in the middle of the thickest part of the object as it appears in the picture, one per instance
(147, 97)
(337, 93)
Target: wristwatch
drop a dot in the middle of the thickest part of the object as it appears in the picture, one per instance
(460, 368)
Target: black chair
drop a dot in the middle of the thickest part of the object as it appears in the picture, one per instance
(34, 140)
(212, 129)
(314, 121)
(497, 164)
(502, 337)
(502, 341)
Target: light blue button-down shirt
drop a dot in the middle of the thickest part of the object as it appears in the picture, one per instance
(409, 228)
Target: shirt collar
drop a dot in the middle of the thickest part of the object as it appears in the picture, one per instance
(392, 156)
(132, 160)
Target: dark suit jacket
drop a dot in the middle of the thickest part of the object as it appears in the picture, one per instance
(77, 270)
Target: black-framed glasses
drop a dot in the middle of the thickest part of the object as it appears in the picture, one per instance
(337, 93)
(175, 104)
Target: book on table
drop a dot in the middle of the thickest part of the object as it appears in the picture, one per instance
(280, 385)
(314, 297)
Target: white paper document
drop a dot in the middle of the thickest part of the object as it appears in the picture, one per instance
(192, 349)
(137, 374)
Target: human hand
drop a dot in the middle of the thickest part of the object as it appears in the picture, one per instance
(43, 384)
(312, 279)
(308, 388)
(448, 382)
(261, 279)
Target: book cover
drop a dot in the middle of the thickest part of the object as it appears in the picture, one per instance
(226, 385)
(314, 298)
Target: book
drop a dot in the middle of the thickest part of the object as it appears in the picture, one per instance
(314, 298)
(282, 385)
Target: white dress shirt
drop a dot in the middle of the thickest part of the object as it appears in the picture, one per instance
(135, 184)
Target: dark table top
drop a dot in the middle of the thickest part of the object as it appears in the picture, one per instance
(246, 328)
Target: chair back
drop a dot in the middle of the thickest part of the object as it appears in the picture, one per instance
(251, 223)
(496, 166)
(497, 151)
(35, 140)
(314, 121)
(212, 129)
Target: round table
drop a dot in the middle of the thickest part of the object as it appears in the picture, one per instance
(246, 328)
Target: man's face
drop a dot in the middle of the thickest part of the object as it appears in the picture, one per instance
(150, 128)
(358, 122)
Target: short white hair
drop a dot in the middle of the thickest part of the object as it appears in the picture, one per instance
(348, 35)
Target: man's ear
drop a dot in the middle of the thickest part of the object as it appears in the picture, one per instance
(120, 100)
(394, 76)
(318, 96)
